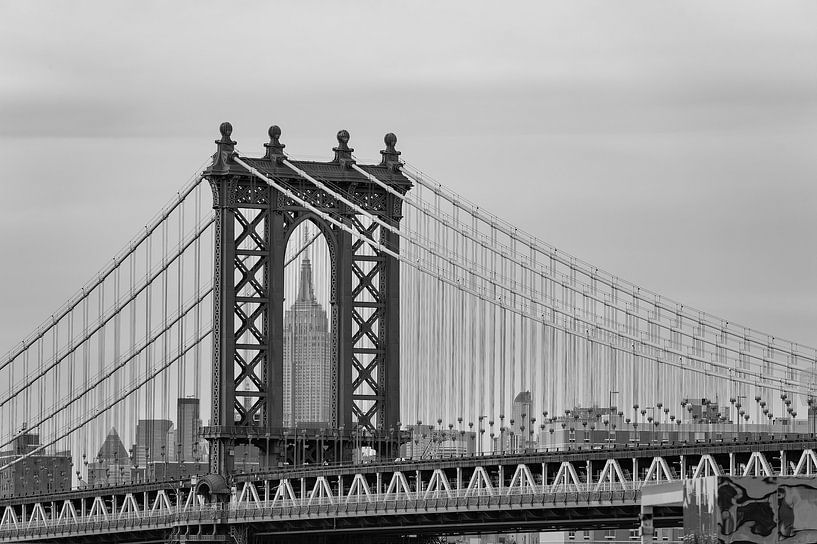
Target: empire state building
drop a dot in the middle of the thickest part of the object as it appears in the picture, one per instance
(307, 391)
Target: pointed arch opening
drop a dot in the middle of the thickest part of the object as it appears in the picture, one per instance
(309, 357)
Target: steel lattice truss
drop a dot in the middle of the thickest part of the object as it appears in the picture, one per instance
(251, 306)
(368, 315)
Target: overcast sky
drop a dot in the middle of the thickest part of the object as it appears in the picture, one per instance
(671, 143)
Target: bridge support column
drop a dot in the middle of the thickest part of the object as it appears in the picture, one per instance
(254, 221)
(647, 527)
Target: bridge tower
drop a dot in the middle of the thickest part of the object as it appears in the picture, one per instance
(254, 222)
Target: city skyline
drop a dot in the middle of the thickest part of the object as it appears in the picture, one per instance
(468, 272)
(605, 426)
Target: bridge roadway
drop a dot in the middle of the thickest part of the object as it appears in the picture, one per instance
(535, 491)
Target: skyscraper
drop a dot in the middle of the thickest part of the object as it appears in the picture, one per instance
(151, 441)
(306, 356)
(112, 465)
(188, 425)
(520, 429)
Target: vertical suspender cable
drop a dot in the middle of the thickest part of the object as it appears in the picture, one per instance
(132, 324)
(86, 365)
(101, 354)
(197, 359)
(117, 346)
(149, 401)
(165, 413)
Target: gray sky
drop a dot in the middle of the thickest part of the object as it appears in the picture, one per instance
(671, 143)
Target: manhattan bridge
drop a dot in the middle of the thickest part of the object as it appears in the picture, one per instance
(478, 379)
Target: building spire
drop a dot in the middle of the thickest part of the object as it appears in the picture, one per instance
(306, 292)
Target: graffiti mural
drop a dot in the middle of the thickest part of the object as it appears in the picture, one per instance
(734, 510)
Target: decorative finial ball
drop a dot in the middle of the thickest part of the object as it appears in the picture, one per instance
(390, 139)
(274, 132)
(343, 136)
(226, 129)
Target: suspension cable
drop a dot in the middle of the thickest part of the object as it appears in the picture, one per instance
(103, 376)
(98, 412)
(89, 333)
(460, 285)
(593, 272)
(574, 285)
(103, 274)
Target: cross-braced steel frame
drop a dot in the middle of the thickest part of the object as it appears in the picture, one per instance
(253, 225)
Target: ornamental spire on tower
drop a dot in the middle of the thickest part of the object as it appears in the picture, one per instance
(305, 291)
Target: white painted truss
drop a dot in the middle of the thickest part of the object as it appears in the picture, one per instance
(707, 467)
(659, 471)
(758, 466)
(459, 484)
(479, 484)
(522, 481)
(612, 474)
(807, 465)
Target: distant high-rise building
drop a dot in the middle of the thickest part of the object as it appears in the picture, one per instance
(520, 424)
(307, 392)
(36, 471)
(188, 427)
(112, 463)
(428, 442)
(707, 411)
(151, 441)
(172, 450)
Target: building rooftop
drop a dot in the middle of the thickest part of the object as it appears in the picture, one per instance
(112, 448)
